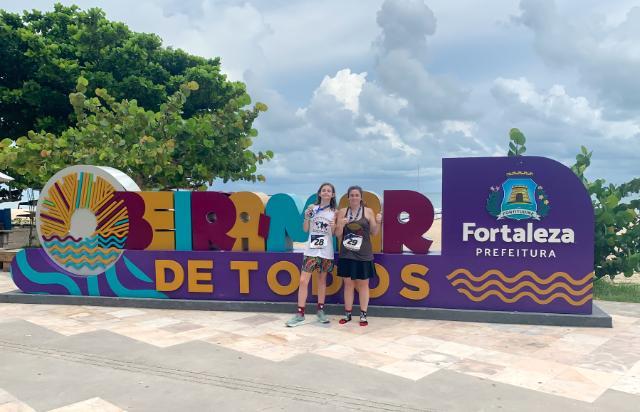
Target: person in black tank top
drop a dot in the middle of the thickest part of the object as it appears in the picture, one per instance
(355, 225)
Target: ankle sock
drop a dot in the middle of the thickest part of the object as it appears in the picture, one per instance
(301, 311)
(320, 306)
(347, 318)
(363, 318)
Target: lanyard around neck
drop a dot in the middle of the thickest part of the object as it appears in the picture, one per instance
(350, 214)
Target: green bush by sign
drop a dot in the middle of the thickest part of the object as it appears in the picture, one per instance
(617, 219)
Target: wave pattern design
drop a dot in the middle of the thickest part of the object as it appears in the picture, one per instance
(40, 281)
(87, 191)
(558, 286)
(92, 252)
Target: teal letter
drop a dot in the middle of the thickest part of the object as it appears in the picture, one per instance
(285, 227)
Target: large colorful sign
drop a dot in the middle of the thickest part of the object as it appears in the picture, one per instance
(517, 235)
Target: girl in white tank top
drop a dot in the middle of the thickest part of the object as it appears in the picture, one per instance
(320, 222)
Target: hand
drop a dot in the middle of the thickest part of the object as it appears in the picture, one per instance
(342, 222)
(379, 218)
(309, 211)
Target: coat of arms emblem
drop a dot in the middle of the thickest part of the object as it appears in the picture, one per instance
(519, 198)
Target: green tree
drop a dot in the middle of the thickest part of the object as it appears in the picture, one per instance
(146, 108)
(158, 149)
(617, 226)
(516, 145)
(44, 53)
(616, 210)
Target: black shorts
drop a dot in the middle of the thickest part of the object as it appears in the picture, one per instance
(356, 269)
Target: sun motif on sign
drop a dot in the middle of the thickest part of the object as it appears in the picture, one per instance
(82, 226)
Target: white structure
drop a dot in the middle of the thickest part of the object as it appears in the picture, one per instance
(4, 178)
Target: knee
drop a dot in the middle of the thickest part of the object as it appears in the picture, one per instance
(304, 281)
(362, 286)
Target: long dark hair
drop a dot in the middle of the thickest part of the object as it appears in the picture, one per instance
(359, 189)
(332, 202)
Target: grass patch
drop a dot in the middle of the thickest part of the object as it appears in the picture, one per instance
(616, 292)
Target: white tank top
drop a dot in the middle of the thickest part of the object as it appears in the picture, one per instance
(320, 241)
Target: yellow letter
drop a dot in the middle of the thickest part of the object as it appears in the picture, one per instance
(161, 275)
(272, 278)
(195, 276)
(383, 285)
(159, 213)
(243, 268)
(249, 207)
(421, 286)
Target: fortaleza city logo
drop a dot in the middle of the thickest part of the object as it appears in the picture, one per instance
(519, 198)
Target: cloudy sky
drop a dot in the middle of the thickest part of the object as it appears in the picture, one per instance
(376, 92)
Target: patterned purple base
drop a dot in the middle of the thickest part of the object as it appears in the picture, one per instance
(403, 280)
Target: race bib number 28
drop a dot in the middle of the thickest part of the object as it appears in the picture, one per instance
(317, 241)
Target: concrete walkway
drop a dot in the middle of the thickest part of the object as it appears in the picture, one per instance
(80, 358)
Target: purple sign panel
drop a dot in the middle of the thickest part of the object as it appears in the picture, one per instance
(517, 235)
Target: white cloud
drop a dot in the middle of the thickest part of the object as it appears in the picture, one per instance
(377, 127)
(371, 91)
(555, 105)
(453, 126)
(345, 87)
(405, 26)
(605, 52)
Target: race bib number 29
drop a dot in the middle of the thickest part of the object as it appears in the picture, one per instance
(352, 242)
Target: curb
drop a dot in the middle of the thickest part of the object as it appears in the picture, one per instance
(597, 319)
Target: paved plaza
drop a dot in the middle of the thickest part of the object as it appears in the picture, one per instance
(84, 358)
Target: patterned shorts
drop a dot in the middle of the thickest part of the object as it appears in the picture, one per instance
(312, 263)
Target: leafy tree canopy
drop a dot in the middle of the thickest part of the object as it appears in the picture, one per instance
(159, 150)
(44, 53)
(166, 118)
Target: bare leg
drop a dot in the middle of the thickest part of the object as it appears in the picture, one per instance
(303, 289)
(363, 293)
(322, 286)
(348, 294)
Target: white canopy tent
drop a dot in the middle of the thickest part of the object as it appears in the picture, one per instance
(4, 178)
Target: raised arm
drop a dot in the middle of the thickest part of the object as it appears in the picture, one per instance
(374, 221)
(307, 218)
(341, 221)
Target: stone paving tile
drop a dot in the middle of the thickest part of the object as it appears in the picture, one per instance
(577, 363)
(180, 326)
(476, 368)
(90, 405)
(413, 370)
(259, 319)
(9, 403)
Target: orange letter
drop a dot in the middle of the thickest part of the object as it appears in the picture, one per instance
(383, 285)
(161, 275)
(421, 286)
(249, 208)
(158, 211)
(272, 278)
(195, 276)
(243, 269)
